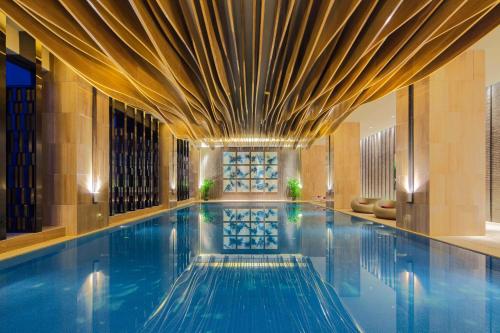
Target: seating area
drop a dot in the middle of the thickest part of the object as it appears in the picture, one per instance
(381, 208)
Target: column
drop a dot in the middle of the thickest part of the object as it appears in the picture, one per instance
(346, 170)
(313, 166)
(76, 184)
(445, 193)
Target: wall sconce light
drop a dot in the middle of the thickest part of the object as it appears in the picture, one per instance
(93, 189)
(411, 144)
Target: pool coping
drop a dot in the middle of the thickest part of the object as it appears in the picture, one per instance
(38, 246)
(10, 254)
(495, 253)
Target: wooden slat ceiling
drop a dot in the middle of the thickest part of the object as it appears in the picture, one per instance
(282, 69)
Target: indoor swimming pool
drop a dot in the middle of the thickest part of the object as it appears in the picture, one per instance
(251, 267)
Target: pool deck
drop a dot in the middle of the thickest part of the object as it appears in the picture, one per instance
(488, 244)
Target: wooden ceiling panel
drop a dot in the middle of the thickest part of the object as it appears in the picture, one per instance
(286, 70)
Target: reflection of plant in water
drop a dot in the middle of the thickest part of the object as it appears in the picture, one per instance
(206, 214)
(294, 213)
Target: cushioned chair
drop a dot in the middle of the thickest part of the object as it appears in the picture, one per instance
(363, 205)
(385, 209)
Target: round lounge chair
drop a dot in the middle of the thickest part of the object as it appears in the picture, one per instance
(363, 205)
(385, 209)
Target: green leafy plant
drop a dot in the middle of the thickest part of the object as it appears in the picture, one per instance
(294, 188)
(205, 188)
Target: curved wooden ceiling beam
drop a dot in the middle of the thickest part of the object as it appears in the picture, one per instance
(288, 69)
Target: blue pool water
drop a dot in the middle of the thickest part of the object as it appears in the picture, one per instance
(250, 267)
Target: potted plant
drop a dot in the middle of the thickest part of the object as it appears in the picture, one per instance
(294, 188)
(205, 188)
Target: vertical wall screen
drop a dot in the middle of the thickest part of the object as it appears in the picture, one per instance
(378, 173)
(493, 153)
(182, 169)
(21, 147)
(134, 158)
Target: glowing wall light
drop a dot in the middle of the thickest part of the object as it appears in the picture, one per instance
(93, 187)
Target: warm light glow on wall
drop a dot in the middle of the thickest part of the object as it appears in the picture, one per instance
(203, 165)
(93, 187)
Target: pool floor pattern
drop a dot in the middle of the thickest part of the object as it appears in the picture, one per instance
(251, 294)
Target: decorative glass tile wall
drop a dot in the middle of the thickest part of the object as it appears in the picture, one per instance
(245, 171)
(378, 173)
(134, 158)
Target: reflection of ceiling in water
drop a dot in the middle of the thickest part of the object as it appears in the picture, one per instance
(208, 291)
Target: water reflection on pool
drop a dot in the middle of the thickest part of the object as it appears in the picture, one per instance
(248, 263)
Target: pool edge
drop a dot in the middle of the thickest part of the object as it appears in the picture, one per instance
(442, 239)
(34, 247)
(10, 254)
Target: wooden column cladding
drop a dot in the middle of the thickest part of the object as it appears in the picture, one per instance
(346, 171)
(75, 152)
(313, 166)
(134, 156)
(449, 155)
(3, 130)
